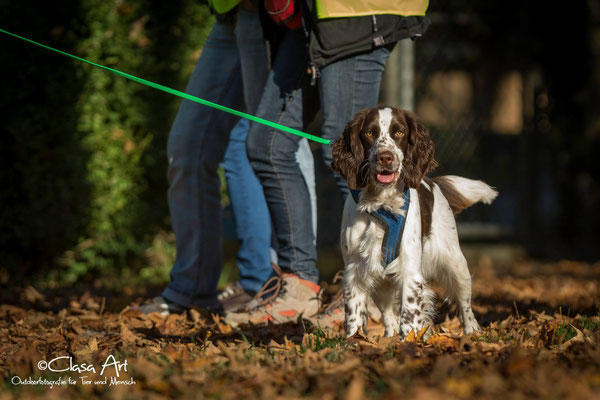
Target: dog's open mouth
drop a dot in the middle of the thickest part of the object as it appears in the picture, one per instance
(386, 177)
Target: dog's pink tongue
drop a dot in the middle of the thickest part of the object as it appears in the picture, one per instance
(385, 178)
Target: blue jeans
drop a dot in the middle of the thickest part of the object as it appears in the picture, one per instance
(345, 87)
(252, 221)
(197, 143)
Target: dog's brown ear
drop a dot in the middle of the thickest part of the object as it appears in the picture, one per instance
(349, 154)
(418, 159)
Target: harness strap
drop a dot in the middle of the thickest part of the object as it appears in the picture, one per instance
(393, 226)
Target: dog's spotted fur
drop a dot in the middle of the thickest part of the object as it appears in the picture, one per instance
(381, 151)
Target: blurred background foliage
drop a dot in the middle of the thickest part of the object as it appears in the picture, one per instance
(83, 154)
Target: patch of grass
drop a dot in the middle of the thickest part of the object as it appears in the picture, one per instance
(319, 340)
(479, 338)
(588, 323)
(389, 352)
(564, 333)
(488, 337)
(334, 356)
(507, 336)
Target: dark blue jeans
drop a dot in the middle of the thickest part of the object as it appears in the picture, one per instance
(198, 141)
(252, 221)
(197, 144)
(345, 87)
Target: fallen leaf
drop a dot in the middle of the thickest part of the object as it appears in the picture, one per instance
(422, 333)
(442, 342)
(490, 347)
(578, 338)
(127, 336)
(93, 345)
(356, 389)
(32, 295)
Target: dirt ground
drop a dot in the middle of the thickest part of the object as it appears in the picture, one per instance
(540, 339)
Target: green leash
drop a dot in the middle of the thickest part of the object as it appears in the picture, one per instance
(181, 94)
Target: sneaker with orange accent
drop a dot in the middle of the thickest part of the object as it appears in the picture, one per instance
(331, 318)
(283, 298)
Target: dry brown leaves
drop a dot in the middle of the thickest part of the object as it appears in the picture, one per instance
(540, 339)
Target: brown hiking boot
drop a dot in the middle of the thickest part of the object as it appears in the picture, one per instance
(289, 297)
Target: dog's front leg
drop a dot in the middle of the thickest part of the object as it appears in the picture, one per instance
(417, 298)
(355, 303)
(417, 305)
(387, 300)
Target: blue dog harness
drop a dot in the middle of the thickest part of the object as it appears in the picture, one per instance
(392, 224)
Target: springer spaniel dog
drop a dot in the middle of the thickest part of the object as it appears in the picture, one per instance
(398, 228)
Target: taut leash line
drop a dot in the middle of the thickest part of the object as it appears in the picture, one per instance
(179, 93)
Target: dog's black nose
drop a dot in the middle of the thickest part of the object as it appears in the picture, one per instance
(385, 158)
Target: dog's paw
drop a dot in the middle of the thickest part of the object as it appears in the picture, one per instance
(351, 331)
(389, 332)
(471, 327)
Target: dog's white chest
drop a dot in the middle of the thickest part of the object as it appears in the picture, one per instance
(363, 242)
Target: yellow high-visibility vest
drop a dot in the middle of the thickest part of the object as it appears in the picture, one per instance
(223, 6)
(355, 8)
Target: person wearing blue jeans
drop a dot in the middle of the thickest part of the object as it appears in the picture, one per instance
(253, 224)
(345, 87)
(231, 71)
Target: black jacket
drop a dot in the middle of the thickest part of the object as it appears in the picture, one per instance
(336, 38)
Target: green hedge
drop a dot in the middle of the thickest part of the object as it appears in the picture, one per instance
(82, 151)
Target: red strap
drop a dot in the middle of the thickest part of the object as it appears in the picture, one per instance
(285, 12)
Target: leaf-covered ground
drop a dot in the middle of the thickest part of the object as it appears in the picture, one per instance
(540, 339)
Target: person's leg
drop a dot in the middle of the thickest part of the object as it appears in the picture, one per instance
(253, 224)
(273, 156)
(253, 56)
(196, 145)
(252, 221)
(346, 87)
(306, 163)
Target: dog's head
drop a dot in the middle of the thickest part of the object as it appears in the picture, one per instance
(381, 146)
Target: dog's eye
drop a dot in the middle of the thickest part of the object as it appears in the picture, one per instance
(369, 134)
(399, 134)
